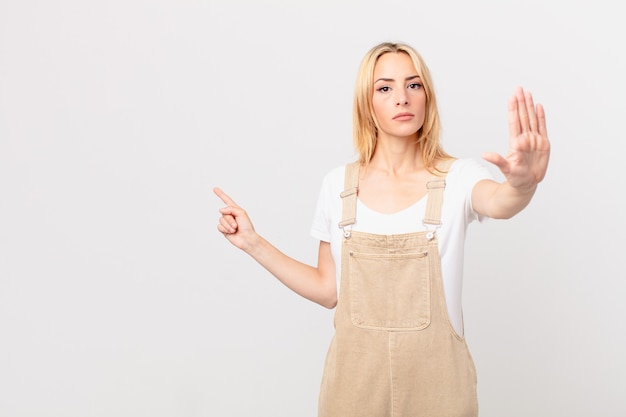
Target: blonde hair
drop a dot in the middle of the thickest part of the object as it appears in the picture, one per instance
(365, 125)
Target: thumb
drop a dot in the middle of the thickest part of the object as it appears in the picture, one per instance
(498, 160)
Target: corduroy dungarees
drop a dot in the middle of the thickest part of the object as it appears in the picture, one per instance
(394, 352)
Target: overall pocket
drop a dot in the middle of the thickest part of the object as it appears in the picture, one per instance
(390, 291)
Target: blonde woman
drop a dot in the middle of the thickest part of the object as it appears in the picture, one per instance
(392, 230)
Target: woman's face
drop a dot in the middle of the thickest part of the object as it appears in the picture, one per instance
(399, 99)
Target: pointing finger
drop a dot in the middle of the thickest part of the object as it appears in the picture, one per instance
(224, 197)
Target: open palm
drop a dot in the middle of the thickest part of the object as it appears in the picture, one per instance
(526, 163)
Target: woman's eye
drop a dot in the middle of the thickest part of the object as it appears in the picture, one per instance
(384, 89)
(415, 86)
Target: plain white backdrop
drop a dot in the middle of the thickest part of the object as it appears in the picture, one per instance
(118, 297)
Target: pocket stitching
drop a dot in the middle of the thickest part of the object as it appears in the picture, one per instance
(418, 320)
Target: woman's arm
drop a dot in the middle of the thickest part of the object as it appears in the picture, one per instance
(317, 284)
(524, 166)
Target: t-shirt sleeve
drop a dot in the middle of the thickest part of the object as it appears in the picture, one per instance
(473, 172)
(320, 228)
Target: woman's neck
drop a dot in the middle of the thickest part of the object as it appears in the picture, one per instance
(397, 156)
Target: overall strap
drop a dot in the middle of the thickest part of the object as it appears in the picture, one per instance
(348, 196)
(435, 188)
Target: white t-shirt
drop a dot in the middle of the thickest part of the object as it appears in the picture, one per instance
(456, 214)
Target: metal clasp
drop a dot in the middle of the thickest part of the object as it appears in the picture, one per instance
(431, 229)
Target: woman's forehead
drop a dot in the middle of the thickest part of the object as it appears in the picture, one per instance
(393, 64)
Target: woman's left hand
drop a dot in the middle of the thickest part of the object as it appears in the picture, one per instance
(529, 149)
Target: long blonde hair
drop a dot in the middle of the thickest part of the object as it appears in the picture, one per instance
(365, 125)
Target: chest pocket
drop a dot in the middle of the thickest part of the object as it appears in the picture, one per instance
(390, 291)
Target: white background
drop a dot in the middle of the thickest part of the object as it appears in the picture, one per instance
(118, 297)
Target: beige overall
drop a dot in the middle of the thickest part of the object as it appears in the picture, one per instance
(395, 353)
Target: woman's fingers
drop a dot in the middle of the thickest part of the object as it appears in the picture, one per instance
(522, 110)
(526, 162)
(541, 119)
(530, 111)
(524, 116)
(227, 224)
(234, 218)
(224, 197)
(515, 127)
(498, 160)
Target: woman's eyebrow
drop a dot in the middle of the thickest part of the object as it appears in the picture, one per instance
(412, 77)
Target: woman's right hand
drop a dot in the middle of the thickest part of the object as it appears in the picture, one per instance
(235, 224)
(317, 284)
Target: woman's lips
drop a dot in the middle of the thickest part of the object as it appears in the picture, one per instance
(403, 116)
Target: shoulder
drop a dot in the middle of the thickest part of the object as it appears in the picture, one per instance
(332, 185)
(334, 178)
(464, 174)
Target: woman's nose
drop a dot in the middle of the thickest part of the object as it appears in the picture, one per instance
(402, 99)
